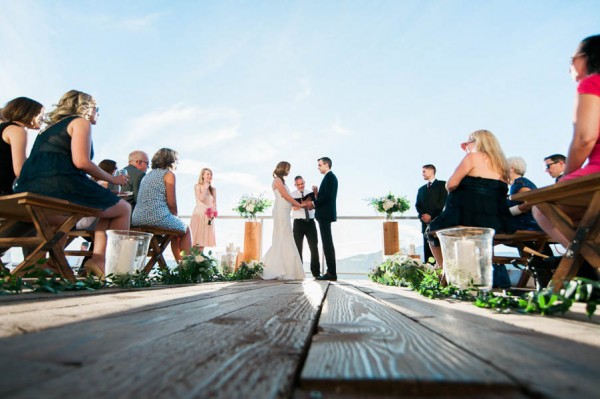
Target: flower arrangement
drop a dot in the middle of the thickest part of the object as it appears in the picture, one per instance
(390, 204)
(211, 213)
(247, 270)
(194, 267)
(249, 205)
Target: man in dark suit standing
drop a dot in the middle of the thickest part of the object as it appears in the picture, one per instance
(326, 213)
(430, 202)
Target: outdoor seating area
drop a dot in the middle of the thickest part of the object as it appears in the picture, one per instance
(300, 339)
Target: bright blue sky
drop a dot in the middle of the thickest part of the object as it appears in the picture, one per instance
(381, 87)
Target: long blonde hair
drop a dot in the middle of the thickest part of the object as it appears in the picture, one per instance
(281, 170)
(486, 142)
(73, 102)
(201, 179)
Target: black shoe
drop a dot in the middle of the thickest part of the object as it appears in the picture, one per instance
(316, 276)
(327, 277)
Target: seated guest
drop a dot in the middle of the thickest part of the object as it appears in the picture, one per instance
(61, 159)
(477, 190)
(555, 166)
(585, 144)
(110, 167)
(522, 216)
(137, 168)
(157, 203)
(18, 115)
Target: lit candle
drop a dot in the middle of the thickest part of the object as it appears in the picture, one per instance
(412, 250)
(466, 257)
(126, 259)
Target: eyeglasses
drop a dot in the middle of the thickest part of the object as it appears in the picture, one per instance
(464, 145)
(141, 161)
(550, 164)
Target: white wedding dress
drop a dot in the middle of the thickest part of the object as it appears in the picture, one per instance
(282, 260)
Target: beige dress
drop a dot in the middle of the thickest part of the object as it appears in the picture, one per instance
(203, 233)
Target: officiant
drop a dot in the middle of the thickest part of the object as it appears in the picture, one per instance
(305, 226)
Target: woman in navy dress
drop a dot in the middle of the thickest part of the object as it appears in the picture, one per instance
(61, 159)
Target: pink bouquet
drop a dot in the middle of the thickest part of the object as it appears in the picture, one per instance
(211, 213)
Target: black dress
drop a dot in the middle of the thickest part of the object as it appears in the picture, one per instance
(50, 171)
(476, 202)
(7, 172)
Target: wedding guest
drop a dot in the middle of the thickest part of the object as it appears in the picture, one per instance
(305, 226)
(477, 191)
(522, 216)
(18, 115)
(585, 144)
(555, 166)
(136, 169)
(61, 159)
(430, 202)
(202, 225)
(110, 167)
(157, 202)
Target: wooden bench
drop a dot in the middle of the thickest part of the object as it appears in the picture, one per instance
(52, 218)
(583, 193)
(161, 238)
(521, 240)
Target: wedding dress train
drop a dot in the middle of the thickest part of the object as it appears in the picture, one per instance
(282, 260)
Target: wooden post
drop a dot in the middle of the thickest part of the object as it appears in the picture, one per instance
(252, 238)
(391, 243)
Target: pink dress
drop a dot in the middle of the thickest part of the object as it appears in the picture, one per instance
(203, 234)
(589, 85)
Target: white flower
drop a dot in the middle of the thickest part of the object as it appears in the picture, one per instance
(250, 207)
(199, 258)
(388, 204)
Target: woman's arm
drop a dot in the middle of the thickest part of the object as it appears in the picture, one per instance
(585, 132)
(169, 180)
(80, 131)
(17, 138)
(281, 188)
(463, 169)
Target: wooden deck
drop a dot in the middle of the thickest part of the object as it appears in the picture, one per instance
(269, 339)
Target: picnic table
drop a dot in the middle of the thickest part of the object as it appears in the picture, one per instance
(52, 219)
(583, 234)
(284, 339)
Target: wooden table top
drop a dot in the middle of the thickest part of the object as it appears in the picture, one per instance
(301, 339)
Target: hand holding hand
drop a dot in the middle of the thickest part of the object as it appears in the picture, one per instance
(425, 218)
(309, 205)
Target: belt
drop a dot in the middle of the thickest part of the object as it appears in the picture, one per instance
(305, 220)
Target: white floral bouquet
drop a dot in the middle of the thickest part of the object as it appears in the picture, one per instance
(250, 205)
(390, 204)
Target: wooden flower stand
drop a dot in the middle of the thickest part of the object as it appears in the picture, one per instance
(391, 243)
(252, 241)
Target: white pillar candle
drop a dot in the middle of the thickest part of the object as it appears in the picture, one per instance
(412, 249)
(126, 256)
(466, 258)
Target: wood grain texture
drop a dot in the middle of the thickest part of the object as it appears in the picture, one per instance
(555, 366)
(241, 343)
(365, 346)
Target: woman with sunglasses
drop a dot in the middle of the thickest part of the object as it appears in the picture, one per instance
(477, 191)
(61, 159)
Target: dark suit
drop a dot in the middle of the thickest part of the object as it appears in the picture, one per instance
(135, 178)
(326, 213)
(430, 201)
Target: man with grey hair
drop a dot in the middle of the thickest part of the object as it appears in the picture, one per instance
(138, 165)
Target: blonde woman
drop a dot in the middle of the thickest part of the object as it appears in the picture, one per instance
(477, 190)
(203, 226)
(61, 159)
(282, 260)
(157, 203)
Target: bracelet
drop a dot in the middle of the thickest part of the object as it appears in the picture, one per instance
(514, 210)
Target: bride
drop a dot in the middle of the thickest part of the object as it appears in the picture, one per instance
(282, 260)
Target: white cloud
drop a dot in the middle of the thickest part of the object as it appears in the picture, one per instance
(305, 90)
(242, 179)
(139, 23)
(338, 129)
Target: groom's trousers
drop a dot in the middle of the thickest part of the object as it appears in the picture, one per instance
(307, 228)
(328, 249)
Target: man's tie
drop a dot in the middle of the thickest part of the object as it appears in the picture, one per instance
(305, 210)
(428, 185)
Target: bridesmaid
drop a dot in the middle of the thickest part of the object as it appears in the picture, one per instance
(203, 228)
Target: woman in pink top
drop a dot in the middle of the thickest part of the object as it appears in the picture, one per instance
(585, 145)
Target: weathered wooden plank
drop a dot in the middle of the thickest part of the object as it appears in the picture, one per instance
(364, 346)
(560, 363)
(246, 346)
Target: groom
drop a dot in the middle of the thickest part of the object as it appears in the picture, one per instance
(325, 213)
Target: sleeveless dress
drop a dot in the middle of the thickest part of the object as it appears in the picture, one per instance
(282, 260)
(151, 208)
(50, 171)
(203, 234)
(7, 172)
(476, 202)
(589, 85)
